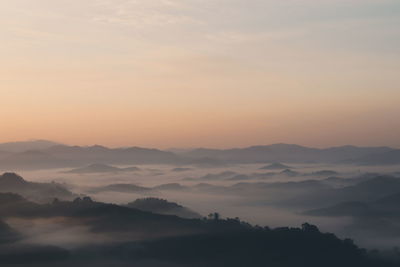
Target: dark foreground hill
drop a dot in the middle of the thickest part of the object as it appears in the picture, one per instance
(114, 235)
(137, 238)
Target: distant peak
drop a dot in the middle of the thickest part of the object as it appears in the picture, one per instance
(98, 147)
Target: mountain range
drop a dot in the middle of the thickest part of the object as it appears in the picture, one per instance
(47, 154)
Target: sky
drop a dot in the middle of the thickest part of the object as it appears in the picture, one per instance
(191, 73)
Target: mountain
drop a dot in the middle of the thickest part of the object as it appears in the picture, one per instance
(102, 168)
(132, 237)
(285, 153)
(383, 158)
(45, 155)
(26, 145)
(62, 156)
(106, 155)
(162, 206)
(42, 192)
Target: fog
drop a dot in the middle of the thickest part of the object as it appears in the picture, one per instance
(208, 190)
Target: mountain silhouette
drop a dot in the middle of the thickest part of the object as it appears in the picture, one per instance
(26, 145)
(44, 156)
(285, 153)
(42, 192)
(162, 206)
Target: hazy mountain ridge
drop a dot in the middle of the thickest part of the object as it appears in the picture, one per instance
(381, 158)
(22, 146)
(63, 156)
(286, 153)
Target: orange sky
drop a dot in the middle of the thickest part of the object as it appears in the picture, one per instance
(167, 73)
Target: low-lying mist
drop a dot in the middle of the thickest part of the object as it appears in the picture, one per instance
(256, 193)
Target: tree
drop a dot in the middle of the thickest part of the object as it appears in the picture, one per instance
(214, 216)
(306, 227)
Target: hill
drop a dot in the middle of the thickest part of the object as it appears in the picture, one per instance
(134, 237)
(101, 168)
(42, 192)
(61, 156)
(162, 206)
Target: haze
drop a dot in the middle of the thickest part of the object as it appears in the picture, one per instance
(167, 73)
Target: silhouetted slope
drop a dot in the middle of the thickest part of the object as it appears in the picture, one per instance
(11, 182)
(283, 247)
(143, 236)
(109, 218)
(161, 206)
